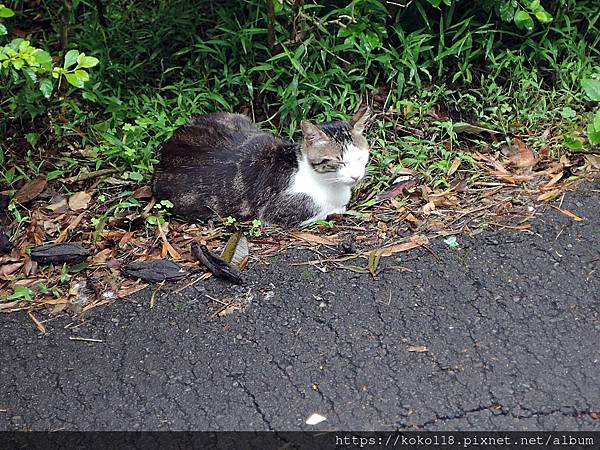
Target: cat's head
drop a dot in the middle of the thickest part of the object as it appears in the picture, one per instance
(338, 150)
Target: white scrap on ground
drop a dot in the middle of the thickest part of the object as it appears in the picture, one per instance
(315, 419)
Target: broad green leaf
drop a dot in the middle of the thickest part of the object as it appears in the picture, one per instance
(507, 11)
(136, 176)
(568, 112)
(524, 20)
(70, 58)
(593, 136)
(592, 89)
(82, 75)
(46, 87)
(6, 12)
(29, 74)
(572, 143)
(18, 63)
(74, 80)
(57, 71)
(21, 292)
(543, 16)
(534, 5)
(597, 120)
(3, 31)
(85, 62)
(43, 58)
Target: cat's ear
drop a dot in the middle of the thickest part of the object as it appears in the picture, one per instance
(360, 119)
(312, 133)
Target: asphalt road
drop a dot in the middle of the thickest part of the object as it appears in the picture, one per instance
(510, 323)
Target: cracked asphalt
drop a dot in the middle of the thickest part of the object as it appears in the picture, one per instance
(510, 322)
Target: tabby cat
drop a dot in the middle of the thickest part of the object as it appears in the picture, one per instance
(222, 165)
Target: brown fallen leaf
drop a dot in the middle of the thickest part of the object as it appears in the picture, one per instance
(521, 155)
(497, 165)
(40, 326)
(9, 269)
(79, 201)
(549, 195)
(125, 239)
(143, 192)
(594, 160)
(170, 249)
(568, 213)
(414, 242)
(398, 187)
(102, 256)
(315, 238)
(555, 179)
(454, 166)
(59, 207)
(418, 349)
(31, 190)
(72, 225)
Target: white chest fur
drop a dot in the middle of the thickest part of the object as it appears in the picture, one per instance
(330, 197)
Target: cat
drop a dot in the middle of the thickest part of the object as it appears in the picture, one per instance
(221, 164)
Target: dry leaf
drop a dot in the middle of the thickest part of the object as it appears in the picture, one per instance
(521, 155)
(400, 185)
(72, 225)
(9, 269)
(314, 238)
(236, 251)
(454, 166)
(414, 242)
(594, 161)
(568, 213)
(549, 195)
(31, 190)
(79, 201)
(555, 179)
(40, 326)
(428, 208)
(58, 207)
(143, 192)
(499, 168)
(417, 349)
(166, 245)
(125, 239)
(102, 256)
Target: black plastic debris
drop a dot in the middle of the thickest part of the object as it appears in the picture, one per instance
(155, 270)
(217, 266)
(68, 252)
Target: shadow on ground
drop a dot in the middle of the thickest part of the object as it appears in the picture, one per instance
(510, 323)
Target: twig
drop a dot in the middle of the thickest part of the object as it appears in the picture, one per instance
(88, 175)
(584, 152)
(75, 338)
(432, 252)
(270, 24)
(216, 300)
(204, 276)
